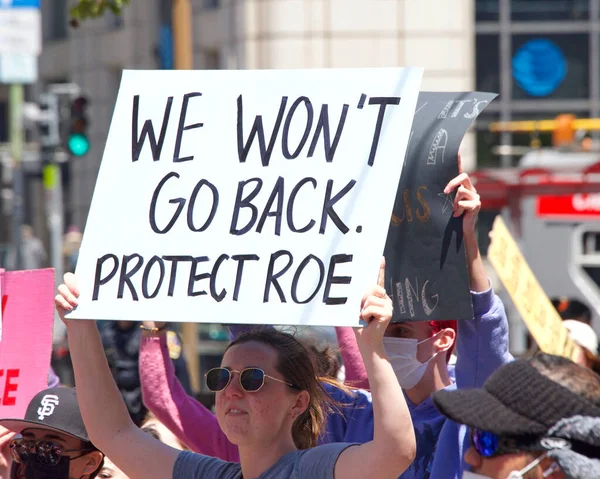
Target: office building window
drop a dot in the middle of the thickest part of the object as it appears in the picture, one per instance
(588, 251)
(591, 241)
(212, 60)
(4, 120)
(58, 18)
(486, 140)
(549, 10)
(487, 58)
(114, 22)
(487, 10)
(211, 4)
(550, 66)
(114, 81)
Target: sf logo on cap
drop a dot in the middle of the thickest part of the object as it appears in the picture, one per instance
(48, 403)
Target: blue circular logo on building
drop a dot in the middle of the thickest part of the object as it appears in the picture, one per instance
(539, 67)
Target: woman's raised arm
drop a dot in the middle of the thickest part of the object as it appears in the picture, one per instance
(104, 413)
(393, 446)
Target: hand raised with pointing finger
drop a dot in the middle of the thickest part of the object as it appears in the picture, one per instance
(375, 309)
(66, 299)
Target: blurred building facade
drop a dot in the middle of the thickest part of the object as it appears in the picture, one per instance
(542, 57)
(252, 34)
(438, 35)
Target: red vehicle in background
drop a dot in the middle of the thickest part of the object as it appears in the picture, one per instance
(551, 203)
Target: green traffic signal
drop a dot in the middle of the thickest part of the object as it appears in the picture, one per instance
(79, 144)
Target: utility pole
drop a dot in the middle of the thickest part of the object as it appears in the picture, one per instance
(182, 39)
(182, 34)
(48, 123)
(16, 152)
(50, 120)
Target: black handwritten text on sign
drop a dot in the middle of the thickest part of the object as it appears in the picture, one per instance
(110, 267)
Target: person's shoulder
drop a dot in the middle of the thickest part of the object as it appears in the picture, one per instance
(319, 462)
(325, 450)
(195, 466)
(316, 463)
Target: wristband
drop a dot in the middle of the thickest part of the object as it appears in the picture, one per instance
(152, 330)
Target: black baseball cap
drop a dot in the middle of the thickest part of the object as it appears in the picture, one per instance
(516, 400)
(55, 409)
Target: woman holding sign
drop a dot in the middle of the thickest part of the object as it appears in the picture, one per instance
(269, 403)
(483, 347)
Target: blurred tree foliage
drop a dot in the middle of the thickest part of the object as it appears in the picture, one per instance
(84, 9)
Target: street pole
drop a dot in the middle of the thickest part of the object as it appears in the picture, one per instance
(51, 178)
(182, 34)
(183, 60)
(16, 152)
(51, 175)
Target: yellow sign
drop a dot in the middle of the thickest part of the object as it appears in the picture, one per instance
(542, 320)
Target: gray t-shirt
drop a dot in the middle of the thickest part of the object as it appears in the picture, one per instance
(315, 463)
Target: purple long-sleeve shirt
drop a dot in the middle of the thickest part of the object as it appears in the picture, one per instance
(481, 347)
(53, 379)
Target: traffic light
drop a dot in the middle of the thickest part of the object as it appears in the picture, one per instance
(78, 141)
(48, 123)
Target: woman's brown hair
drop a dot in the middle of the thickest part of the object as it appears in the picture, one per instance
(297, 366)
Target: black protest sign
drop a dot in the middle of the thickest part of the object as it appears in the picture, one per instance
(426, 272)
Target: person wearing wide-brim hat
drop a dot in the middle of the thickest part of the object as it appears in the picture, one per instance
(54, 442)
(534, 418)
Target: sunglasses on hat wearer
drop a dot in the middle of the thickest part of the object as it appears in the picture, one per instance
(46, 452)
(488, 444)
(251, 379)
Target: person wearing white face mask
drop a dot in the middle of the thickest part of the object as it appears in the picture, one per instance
(405, 354)
(520, 474)
(533, 419)
(420, 352)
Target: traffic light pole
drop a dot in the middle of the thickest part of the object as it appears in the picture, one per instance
(16, 151)
(50, 140)
(51, 179)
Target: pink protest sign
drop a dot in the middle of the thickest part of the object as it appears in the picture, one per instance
(26, 345)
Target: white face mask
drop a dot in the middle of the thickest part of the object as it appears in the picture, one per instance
(517, 474)
(473, 475)
(402, 353)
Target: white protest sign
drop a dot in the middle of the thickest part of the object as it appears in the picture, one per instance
(245, 196)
